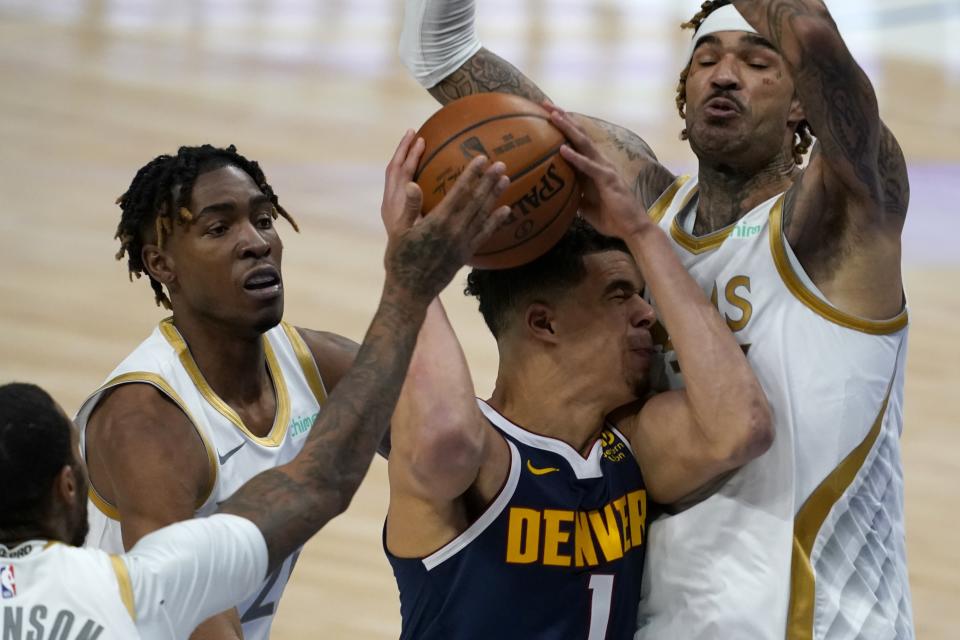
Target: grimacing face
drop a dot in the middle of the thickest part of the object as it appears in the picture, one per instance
(226, 261)
(605, 325)
(741, 105)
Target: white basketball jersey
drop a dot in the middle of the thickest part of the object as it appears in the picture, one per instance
(46, 586)
(172, 579)
(806, 541)
(235, 454)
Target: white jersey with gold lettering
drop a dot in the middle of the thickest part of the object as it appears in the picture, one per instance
(235, 454)
(806, 541)
(172, 580)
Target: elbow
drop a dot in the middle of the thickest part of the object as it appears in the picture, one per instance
(748, 433)
(756, 432)
(817, 32)
(446, 452)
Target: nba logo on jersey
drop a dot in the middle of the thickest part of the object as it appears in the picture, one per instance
(8, 586)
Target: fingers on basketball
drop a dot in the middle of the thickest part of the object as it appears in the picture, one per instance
(543, 192)
(413, 204)
(399, 154)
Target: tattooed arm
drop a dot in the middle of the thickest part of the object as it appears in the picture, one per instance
(334, 355)
(849, 206)
(439, 45)
(292, 502)
(485, 71)
(861, 154)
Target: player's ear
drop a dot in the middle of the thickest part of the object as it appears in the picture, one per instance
(539, 321)
(797, 114)
(159, 264)
(66, 485)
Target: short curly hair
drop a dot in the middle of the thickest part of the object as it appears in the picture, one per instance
(34, 446)
(803, 135)
(504, 292)
(149, 201)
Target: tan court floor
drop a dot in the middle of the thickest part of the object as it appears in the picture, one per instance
(92, 89)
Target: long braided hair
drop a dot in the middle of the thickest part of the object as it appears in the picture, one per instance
(804, 134)
(149, 202)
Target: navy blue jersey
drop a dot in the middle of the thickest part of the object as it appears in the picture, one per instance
(558, 553)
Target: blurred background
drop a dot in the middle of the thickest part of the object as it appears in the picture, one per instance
(90, 90)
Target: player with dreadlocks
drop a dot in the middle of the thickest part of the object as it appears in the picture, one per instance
(150, 198)
(803, 263)
(221, 390)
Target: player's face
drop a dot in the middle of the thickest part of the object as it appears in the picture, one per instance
(605, 325)
(227, 260)
(741, 105)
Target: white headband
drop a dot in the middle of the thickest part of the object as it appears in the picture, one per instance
(726, 18)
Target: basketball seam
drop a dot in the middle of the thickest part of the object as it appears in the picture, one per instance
(536, 163)
(442, 146)
(549, 223)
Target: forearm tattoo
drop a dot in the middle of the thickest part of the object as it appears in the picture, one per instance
(485, 72)
(290, 503)
(838, 97)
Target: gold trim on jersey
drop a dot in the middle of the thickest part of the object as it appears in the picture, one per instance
(698, 244)
(101, 503)
(307, 363)
(812, 300)
(153, 379)
(807, 525)
(126, 587)
(659, 207)
(282, 419)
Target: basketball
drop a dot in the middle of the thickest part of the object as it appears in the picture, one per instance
(543, 194)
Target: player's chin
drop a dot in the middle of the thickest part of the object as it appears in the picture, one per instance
(267, 315)
(715, 136)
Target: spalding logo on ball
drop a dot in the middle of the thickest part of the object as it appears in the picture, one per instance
(543, 194)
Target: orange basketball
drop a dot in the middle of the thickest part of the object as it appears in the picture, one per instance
(543, 192)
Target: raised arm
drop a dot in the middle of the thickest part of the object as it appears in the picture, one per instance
(860, 154)
(290, 503)
(440, 48)
(686, 438)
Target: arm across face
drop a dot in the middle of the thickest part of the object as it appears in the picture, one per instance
(687, 438)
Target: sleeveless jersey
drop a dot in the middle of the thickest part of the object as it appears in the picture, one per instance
(235, 454)
(557, 554)
(806, 541)
(172, 579)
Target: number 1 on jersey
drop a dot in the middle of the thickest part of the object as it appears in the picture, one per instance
(601, 587)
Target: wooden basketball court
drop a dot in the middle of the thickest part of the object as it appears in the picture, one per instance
(92, 89)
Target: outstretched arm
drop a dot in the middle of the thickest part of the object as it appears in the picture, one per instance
(685, 438)
(440, 48)
(290, 503)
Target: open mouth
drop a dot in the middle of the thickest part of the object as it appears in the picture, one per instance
(263, 282)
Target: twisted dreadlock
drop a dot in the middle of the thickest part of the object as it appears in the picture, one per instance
(150, 201)
(803, 134)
